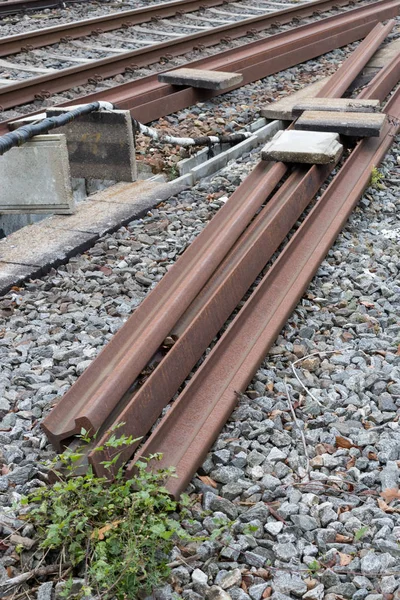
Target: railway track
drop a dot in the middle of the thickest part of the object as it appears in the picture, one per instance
(159, 41)
(125, 20)
(146, 98)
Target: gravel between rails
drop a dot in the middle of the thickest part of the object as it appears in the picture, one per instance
(327, 538)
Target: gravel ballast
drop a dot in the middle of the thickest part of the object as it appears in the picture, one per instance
(326, 526)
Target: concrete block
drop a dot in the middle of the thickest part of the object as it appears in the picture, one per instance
(303, 147)
(282, 109)
(384, 55)
(107, 210)
(35, 249)
(25, 121)
(35, 178)
(38, 246)
(335, 105)
(100, 145)
(187, 164)
(13, 274)
(354, 124)
(201, 78)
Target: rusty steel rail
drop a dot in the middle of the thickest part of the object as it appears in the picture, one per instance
(208, 312)
(261, 58)
(190, 427)
(91, 400)
(128, 18)
(148, 99)
(212, 307)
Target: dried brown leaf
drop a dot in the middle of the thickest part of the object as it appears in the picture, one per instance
(391, 494)
(384, 506)
(345, 559)
(208, 481)
(267, 592)
(343, 539)
(368, 304)
(100, 532)
(342, 442)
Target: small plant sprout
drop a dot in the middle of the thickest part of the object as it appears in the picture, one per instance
(376, 179)
(360, 533)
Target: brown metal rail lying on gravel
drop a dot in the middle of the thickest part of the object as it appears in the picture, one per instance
(124, 19)
(208, 312)
(186, 433)
(93, 398)
(254, 61)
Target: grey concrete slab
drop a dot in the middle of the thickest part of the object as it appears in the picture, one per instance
(303, 147)
(383, 56)
(100, 145)
(108, 209)
(41, 246)
(282, 109)
(45, 186)
(25, 121)
(36, 248)
(345, 123)
(201, 78)
(336, 105)
(187, 164)
(14, 274)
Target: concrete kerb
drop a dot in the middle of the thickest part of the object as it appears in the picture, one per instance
(33, 250)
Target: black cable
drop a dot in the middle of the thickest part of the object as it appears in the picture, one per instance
(26, 132)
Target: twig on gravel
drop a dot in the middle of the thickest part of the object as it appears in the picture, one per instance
(9, 584)
(303, 439)
(317, 353)
(177, 563)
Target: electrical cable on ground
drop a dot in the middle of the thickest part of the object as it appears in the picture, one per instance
(26, 132)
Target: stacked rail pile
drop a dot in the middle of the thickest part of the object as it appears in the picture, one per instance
(195, 298)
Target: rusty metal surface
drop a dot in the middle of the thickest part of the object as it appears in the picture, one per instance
(26, 90)
(194, 421)
(216, 301)
(127, 18)
(282, 50)
(148, 99)
(214, 304)
(97, 392)
(384, 81)
(353, 65)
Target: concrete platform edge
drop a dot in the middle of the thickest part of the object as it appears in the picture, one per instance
(72, 241)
